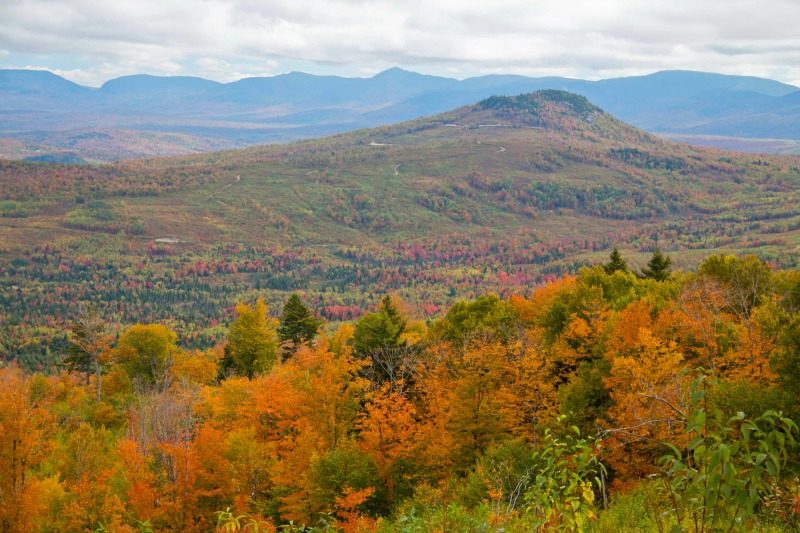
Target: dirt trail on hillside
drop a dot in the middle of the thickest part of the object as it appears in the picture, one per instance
(231, 184)
(226, 186)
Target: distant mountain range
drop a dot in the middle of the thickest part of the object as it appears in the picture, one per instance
(47, 117)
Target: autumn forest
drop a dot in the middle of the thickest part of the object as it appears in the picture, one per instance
(614, 399)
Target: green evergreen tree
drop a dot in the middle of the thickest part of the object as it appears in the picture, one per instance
(616, 262)
(658, 268)
(298, 325)
(379, 330)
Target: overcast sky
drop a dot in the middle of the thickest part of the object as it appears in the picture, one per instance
(91, 41)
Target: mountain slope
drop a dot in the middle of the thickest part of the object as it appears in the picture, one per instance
(47, 112)
(494, 196)
(483, 158)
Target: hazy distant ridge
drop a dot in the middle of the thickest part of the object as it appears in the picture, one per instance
(39, 108)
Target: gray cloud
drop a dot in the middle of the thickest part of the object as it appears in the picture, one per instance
(90, 41)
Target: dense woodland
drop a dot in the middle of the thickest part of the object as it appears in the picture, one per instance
(194, 293)
(611, 400)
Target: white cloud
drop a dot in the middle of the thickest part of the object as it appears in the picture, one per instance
(90, 41)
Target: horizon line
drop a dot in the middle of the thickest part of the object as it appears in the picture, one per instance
(381, 72)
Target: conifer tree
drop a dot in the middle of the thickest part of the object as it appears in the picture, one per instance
(298, 325)
(382, 329)
(616, 262)
(658, 268)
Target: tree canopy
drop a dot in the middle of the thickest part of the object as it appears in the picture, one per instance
(298, 325)
(146, 351)
(595, 402)
(381, 329)
(252, 345)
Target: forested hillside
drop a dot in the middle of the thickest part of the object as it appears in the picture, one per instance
(603, 401)
(498, 196)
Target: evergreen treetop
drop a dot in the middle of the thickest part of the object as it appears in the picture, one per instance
(381, 329)
(658, 268)
(616, 262)
(298, 325)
